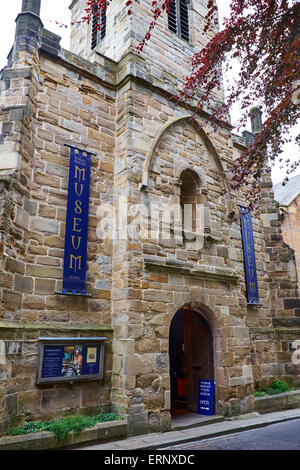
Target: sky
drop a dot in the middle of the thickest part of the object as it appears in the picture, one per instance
(58, 11)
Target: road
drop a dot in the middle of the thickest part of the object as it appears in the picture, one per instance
(281, 436)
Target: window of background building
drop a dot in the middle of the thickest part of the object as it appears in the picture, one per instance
(178, 18)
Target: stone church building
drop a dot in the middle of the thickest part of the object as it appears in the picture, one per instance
(169, 299)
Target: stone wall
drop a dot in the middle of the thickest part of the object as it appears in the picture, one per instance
(143, 144)
(290, 229)
(44, 106)
(274, 343)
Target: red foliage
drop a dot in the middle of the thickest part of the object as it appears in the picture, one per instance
(264, 37)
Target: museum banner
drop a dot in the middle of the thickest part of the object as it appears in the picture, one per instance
(249, 256)
(75, 254)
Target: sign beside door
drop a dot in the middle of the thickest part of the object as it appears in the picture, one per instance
(205, 397)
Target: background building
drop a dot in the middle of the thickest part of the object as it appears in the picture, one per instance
(172, 310)
(288, 197)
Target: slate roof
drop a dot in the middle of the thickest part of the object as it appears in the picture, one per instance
(285, 195)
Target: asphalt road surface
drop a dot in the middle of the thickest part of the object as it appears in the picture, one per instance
(281, 436)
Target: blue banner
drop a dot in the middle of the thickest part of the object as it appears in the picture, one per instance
(75, 255)
(249, 256)
(205, 397)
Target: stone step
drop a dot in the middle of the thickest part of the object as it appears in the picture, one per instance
(193, 420)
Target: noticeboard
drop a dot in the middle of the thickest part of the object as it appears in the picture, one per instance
(205, 397)
(70, 359)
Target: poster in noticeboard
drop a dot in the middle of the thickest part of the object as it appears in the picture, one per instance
(70, 359)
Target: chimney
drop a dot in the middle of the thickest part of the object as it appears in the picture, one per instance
(32, 6)
(256, 121)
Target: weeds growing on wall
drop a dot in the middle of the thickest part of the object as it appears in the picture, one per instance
(277, 386)
(60, 427)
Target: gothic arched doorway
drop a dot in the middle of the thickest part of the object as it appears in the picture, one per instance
(191, 358)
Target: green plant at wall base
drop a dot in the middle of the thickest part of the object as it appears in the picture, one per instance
(277, 386)
(61, 427)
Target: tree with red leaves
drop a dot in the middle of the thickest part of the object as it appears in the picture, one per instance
(263, 36)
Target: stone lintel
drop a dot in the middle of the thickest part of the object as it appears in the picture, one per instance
(287, 322)
(190, 269)
(275, 329)
(5, 325)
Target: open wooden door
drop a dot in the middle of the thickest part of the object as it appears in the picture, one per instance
(198, 355)
(191, 358)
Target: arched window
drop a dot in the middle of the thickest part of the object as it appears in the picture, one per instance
(178, 18)
(189, 199)
(98, 25)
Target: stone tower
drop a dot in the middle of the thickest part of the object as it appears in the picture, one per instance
(166, 287)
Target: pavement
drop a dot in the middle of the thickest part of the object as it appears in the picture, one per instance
(192, 427)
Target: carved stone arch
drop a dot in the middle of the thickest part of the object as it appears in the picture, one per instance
(180, 167)
(191, 120)
(213, 319)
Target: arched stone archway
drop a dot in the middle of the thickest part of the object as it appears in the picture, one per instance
(191, 357)
(209, 146)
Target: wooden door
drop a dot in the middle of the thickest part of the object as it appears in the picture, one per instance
(198, 355)
(177, 367)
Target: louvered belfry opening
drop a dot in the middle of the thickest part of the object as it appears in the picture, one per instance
(98, 25)
(178, 18)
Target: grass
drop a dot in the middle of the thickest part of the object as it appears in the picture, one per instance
(61, 427)
(277, 386)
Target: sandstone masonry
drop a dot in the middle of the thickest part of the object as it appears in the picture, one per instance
(116, 103)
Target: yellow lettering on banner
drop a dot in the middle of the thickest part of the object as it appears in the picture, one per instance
(252, 287)
(250, 261)
(78, 242)
(79, 172)
(76, 189)
(76, 261)
(76, 222)
(78, 208)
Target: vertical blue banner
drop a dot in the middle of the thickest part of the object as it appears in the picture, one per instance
(205, 397)
(75, 255)
(249, 256)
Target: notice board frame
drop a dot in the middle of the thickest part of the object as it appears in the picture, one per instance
(69, 341)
